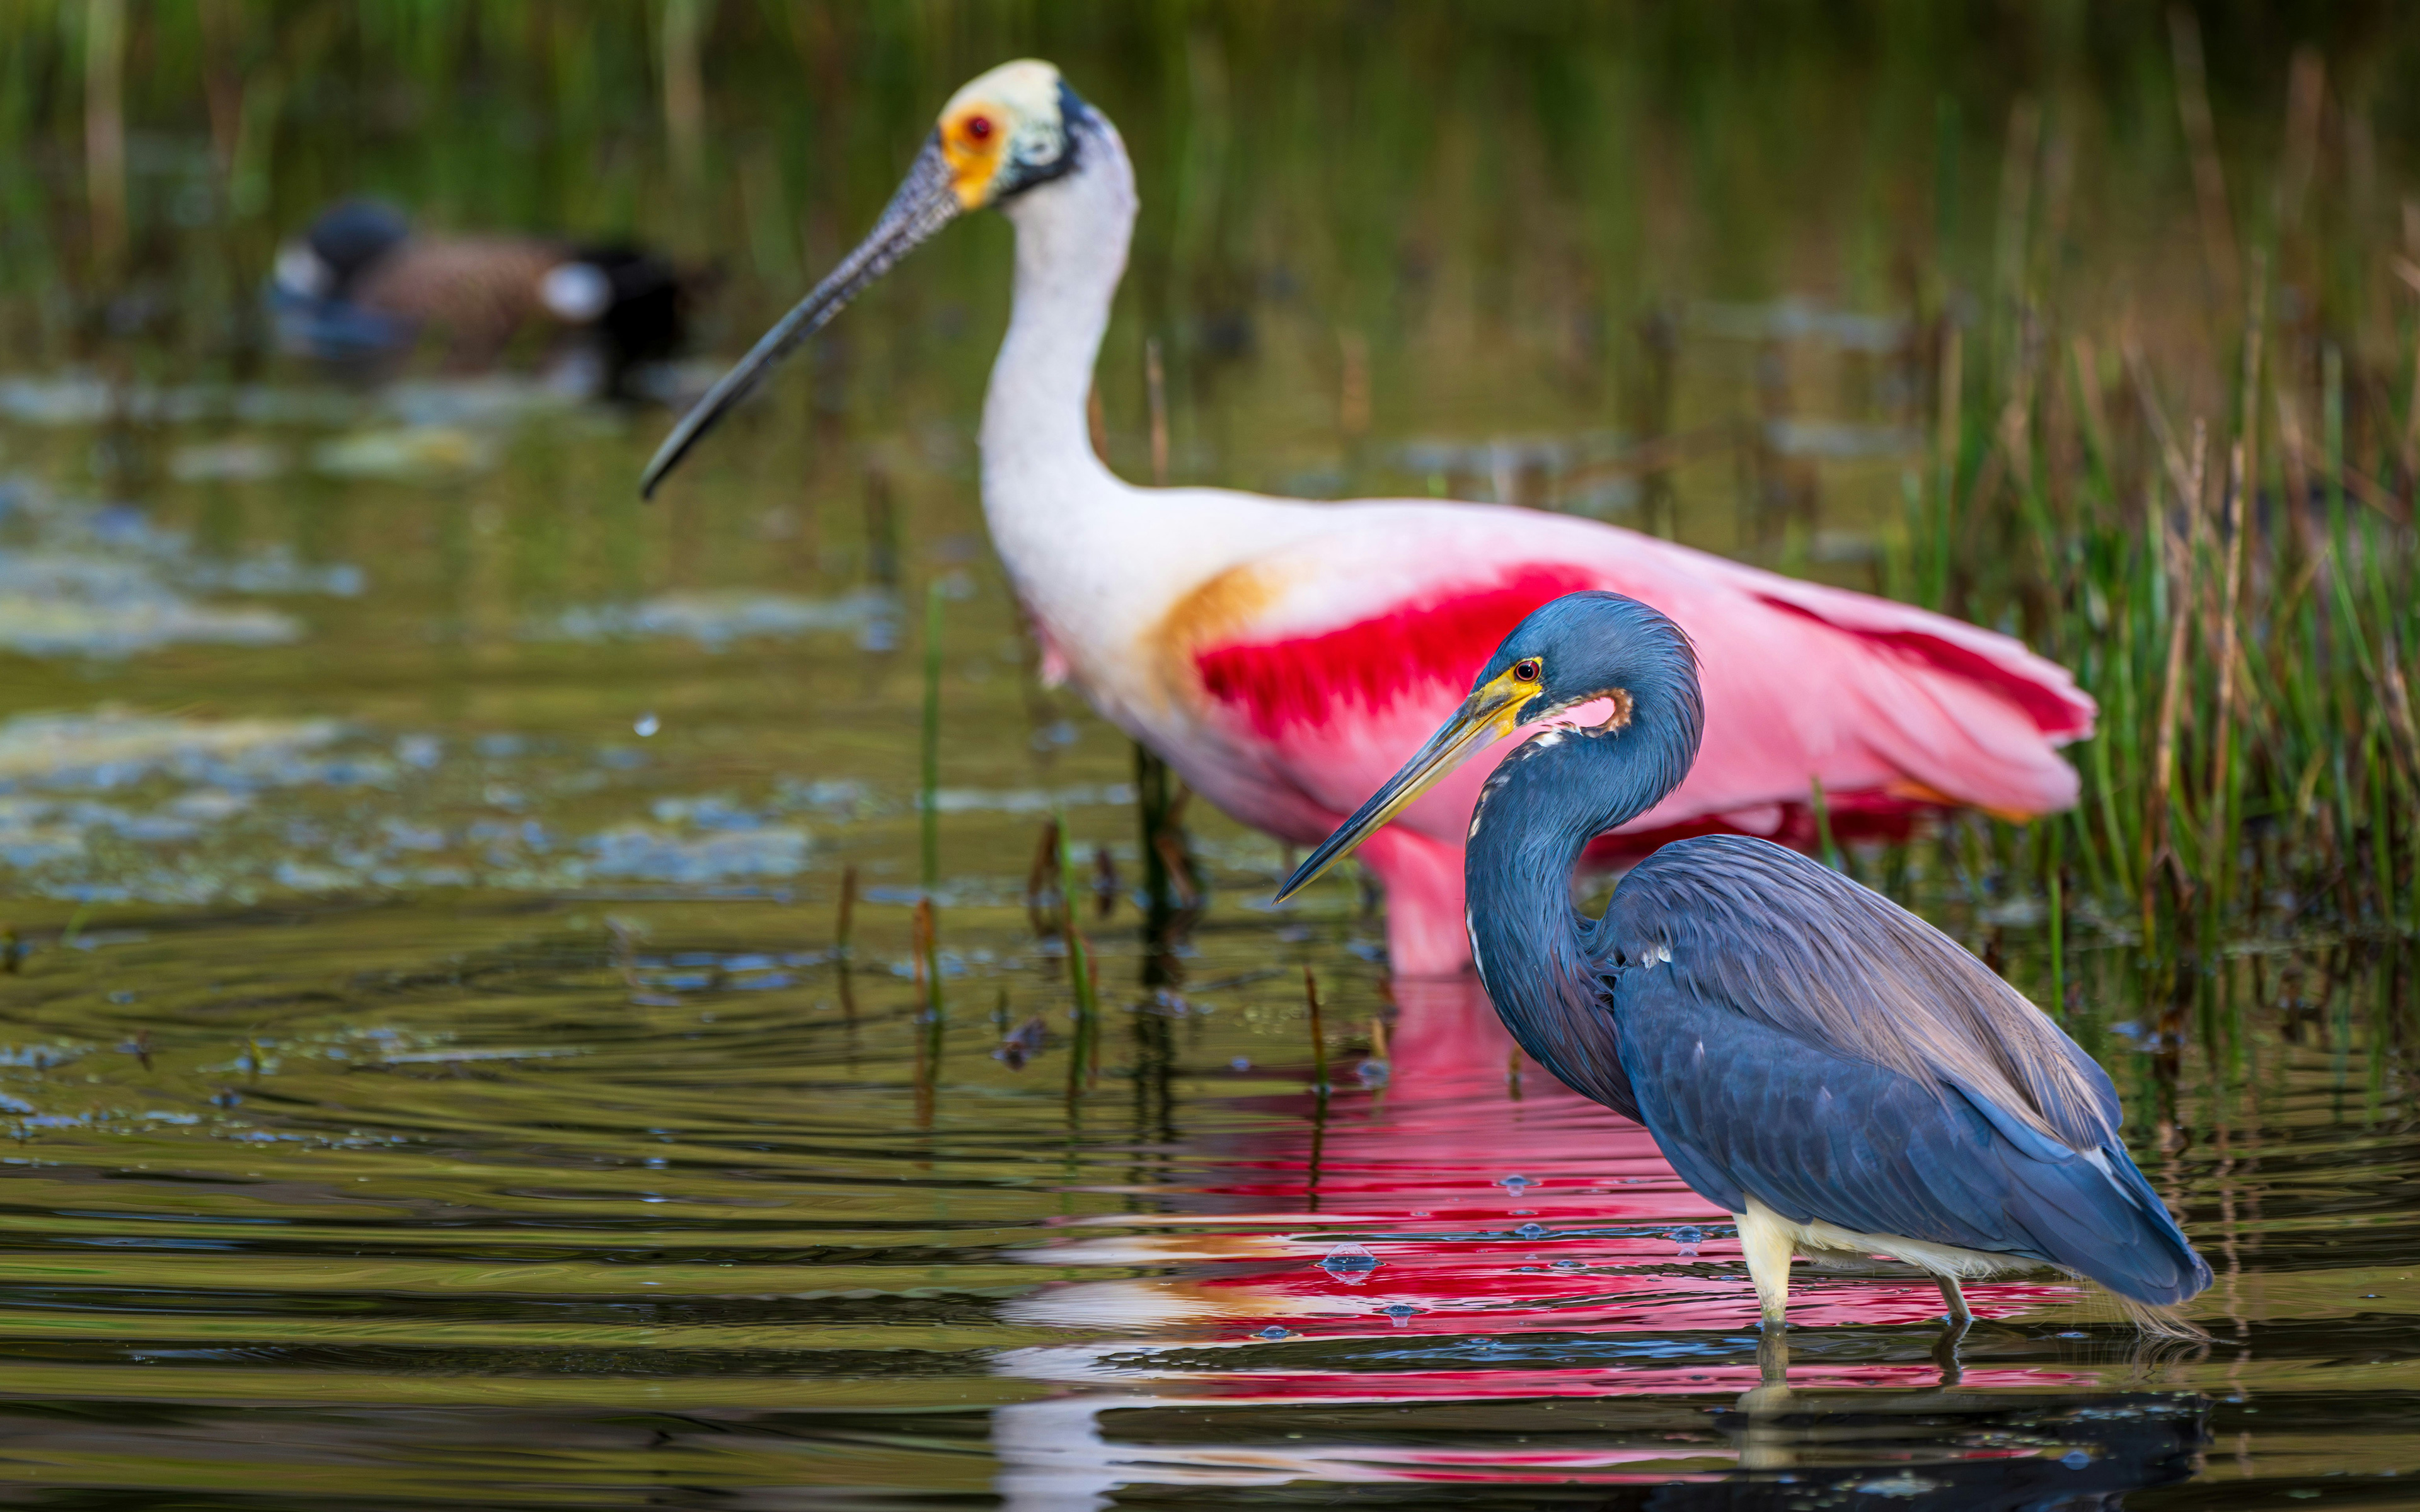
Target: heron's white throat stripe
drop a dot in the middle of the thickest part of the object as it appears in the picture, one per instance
(1597, 714)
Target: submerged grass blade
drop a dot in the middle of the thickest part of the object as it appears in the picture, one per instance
(1823, 812)
(1081, 979)
(929, 803)
(1318, 1034)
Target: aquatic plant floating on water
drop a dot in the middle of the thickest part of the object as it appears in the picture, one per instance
(714, 618)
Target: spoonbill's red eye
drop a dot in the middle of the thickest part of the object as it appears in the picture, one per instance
(978, 127)
(1526, 671)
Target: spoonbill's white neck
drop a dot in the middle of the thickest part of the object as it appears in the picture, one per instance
(1096, 561)
(1071, 251)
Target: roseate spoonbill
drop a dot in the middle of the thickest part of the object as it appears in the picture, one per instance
(360, 288)
(1835, 1072)
(1275, 652)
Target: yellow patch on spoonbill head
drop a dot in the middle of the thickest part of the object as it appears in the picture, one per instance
(1007, 116)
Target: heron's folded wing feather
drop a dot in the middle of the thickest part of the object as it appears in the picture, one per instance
(1812, 1136)
(1817, 1136)
(1797, 946)
(1797, 1037)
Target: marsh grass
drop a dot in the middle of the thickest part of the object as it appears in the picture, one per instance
(929, 766)
(2224, 556)
(1083, 980)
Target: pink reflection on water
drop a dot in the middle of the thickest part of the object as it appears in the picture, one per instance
(1416, 1174)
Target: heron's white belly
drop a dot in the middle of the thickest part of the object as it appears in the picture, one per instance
(1760, 1227)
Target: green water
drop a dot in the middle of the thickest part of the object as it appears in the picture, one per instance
(431, 1075)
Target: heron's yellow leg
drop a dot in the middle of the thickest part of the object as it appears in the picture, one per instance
(1765, 1241)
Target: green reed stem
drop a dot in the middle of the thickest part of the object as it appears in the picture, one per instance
(74, 925)
(1318, 1034)
(928, 793)
(2381, 840)
(2058, 918)
(1152, 787)
(926, 948)
(1079, 964)
(1829, 852)
(2095, 882)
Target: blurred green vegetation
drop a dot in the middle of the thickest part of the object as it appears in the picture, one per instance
(1579, 164)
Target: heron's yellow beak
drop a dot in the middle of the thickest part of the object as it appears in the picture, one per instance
(1493, 711)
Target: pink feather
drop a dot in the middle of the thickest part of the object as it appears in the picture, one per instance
(1378, 628)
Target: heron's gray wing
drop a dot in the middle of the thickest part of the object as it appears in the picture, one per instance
(1741, 1110)
(1805, 950)
(1750, 1091)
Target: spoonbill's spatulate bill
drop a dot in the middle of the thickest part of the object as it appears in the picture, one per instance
(1836, 1072)
(1279, 653)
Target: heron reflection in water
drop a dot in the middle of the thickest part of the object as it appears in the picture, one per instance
(2020, 1450)
(1841, 1077)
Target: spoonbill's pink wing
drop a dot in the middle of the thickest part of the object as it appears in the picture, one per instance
(1309, 673)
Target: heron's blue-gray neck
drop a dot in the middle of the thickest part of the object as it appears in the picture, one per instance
(1537, 954)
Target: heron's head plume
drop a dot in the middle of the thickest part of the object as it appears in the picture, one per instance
(1599, 659)
(1584, 650)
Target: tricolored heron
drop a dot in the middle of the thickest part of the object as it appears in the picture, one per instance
(1278, 652)
(1836, 1072)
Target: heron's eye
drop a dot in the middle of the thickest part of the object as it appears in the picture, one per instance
(979, 127)
(1525, 671)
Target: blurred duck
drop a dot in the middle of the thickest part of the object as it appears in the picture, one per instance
(360, 291)
(1279, 653)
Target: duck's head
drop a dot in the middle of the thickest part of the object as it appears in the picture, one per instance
(1006, 132)
(342, 244)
